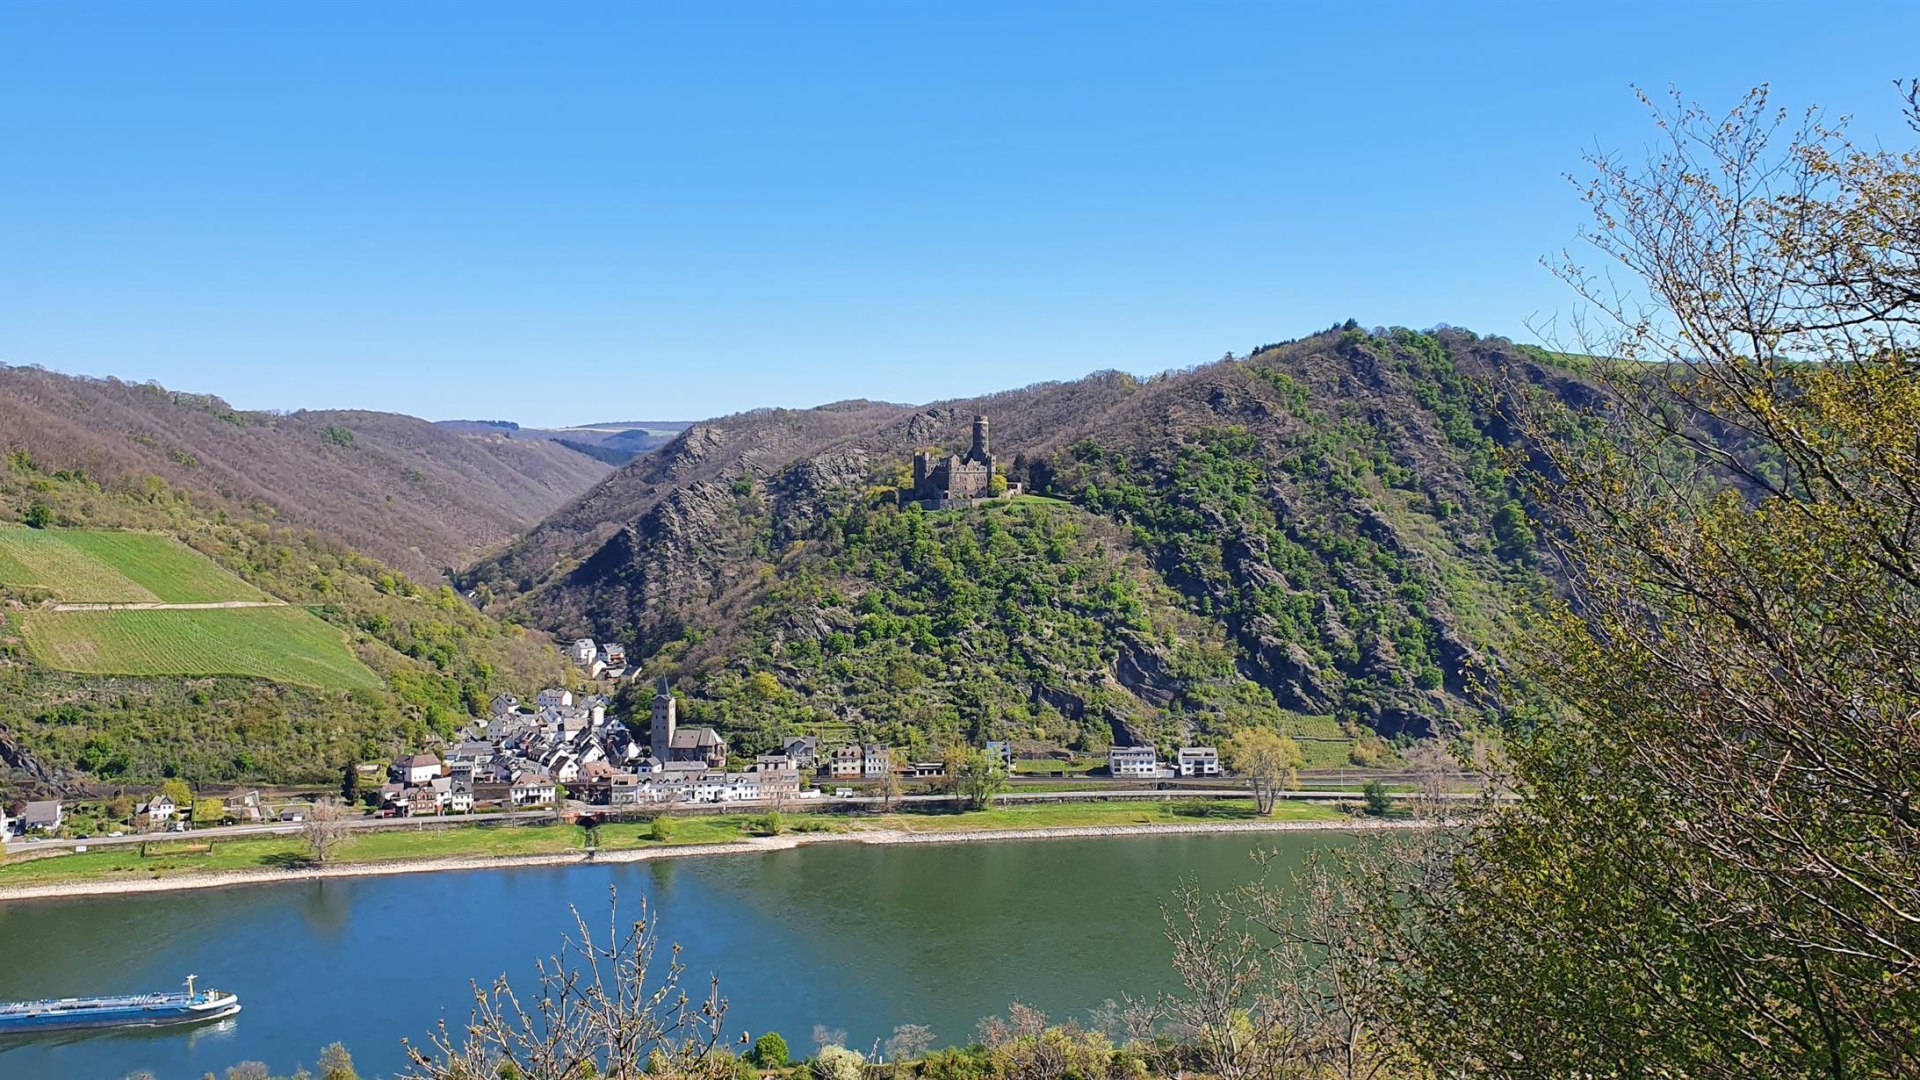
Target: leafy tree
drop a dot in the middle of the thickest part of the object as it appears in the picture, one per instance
(350, 783)
(1513, 536)
(839, 1063)
(769, 1051)
(209, 811)
(976, 777)
(1378, 802)
(1267, 760)
(177, 790)
(336, 1063)
(39, 515)
(1714, 867)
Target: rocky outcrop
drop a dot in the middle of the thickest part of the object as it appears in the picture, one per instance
(1327, 550)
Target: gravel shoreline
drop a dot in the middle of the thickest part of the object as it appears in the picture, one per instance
(229, 878)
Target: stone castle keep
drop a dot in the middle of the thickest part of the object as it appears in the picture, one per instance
(956, 480)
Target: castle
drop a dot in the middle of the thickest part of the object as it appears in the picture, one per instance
(954, 480)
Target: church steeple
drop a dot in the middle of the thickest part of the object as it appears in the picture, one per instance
(663, 723)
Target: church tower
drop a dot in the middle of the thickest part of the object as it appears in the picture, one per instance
(662, 730)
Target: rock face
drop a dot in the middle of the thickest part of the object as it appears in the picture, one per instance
(1322, 509)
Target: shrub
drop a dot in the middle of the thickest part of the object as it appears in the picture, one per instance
(971, 1063)
(769, 1051)
(1378, 801)
(663, 827)
(839, 1063)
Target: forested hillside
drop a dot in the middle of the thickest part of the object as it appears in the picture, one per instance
(1319, 536)
(414, 495)
(436, 659)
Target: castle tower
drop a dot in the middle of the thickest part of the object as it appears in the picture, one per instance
(662, 730)
(981, 447)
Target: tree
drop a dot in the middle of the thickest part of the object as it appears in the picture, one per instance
(661, 829)
(209, 811)
(600, 1008)
(322, 828)
(350, 783)
(1714, 866)
(39, 515)
(1268, 760)
(976, 777)
(836, 1062)
(178, 792)
(824, 1036)
(1281, 979)
(769, 1051)
(1378, 802)
(336, 1063)
(909, 1042)
(888, 789)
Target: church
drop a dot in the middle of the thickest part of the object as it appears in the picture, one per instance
(671, 742)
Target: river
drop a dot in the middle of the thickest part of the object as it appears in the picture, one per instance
(856, 937)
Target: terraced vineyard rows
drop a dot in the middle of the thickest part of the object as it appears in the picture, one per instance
(286, 644)
(173, 572)
(46, 559)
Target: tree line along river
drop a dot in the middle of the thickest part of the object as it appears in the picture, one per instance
(857, 937)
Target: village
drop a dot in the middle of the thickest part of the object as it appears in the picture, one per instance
(566, 747)
(563, 750)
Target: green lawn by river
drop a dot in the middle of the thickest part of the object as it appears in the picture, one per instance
(176, 856)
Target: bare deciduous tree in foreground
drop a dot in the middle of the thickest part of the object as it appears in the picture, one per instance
(600, 1009)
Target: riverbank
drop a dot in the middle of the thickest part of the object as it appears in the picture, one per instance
(265, 875)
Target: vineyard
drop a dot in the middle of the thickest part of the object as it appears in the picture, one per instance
(88, 566)
(285, 644)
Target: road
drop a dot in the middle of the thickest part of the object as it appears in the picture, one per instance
(283, 828)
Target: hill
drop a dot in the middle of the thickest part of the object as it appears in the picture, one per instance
(337, 658)
(1318, 536)
(416, 496)
(614, 442)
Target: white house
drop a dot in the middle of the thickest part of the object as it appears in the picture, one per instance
(1199, 761)
(583, 650)
(42, 816)
(5, 825)
(417, 769)
(553, 699)
(531, 789)
(875, 761)
(1133, 761)
(710, 787)
(158, 810)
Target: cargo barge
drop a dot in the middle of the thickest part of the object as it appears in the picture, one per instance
(127, 1010)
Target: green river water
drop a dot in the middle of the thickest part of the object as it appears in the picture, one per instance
(856, 937)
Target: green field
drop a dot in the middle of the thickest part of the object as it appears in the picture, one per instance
(90, 566)
(285, 644)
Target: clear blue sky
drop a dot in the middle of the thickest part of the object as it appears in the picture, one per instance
(560, 212)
